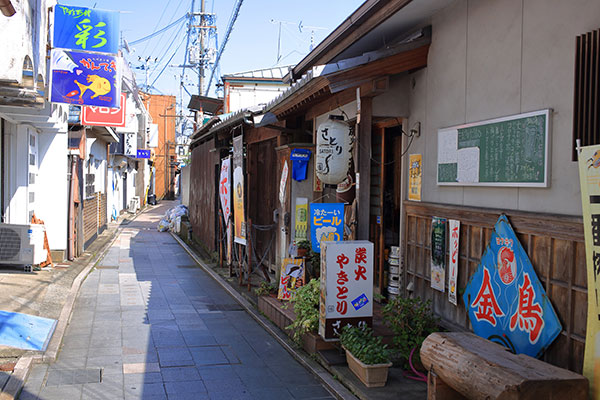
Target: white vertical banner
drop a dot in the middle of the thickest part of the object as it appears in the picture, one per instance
(130, 144)
(283, 183)
(454, 227)
(225, 196)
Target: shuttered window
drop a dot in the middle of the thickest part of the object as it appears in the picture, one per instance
(586, 109)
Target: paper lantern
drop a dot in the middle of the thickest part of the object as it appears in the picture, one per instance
(334, 151)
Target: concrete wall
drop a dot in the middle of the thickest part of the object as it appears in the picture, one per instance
(185, 185)
(493, 58)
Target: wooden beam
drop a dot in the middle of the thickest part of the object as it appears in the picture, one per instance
(364, 167)
(262, 134)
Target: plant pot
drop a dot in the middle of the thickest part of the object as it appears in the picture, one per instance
(312, 343)
(302, 252)
(374, 375)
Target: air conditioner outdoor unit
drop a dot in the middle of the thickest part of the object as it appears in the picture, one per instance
(22, 244)
(134, 204)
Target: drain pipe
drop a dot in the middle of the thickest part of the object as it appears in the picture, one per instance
(7, 8)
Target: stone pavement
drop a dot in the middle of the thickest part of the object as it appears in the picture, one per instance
(150, 324)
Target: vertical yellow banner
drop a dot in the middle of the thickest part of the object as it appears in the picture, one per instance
(414, 177)
(589, 175)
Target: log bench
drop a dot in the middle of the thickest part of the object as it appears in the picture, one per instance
(463, 365)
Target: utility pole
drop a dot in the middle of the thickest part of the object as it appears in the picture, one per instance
(201, 55)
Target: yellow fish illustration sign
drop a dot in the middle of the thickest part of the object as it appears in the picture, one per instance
(85, 79)
(100, 86)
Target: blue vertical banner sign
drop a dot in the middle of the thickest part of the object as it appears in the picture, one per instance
(85, 78)
(80, 28)
(505, 300)
(326, 223)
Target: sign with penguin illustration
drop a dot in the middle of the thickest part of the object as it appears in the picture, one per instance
(85, 79)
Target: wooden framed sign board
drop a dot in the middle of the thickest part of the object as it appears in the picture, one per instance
(508, 151)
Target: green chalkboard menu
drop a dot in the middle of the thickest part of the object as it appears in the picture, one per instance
(509, 151)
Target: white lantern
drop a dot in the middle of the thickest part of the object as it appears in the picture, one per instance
(334, 150)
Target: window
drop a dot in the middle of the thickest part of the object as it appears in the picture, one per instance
(586, 105)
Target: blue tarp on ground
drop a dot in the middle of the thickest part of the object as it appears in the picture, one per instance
(25, 331)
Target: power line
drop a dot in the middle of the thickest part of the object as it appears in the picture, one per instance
(158, 32)
(232, 20)
(160, 19)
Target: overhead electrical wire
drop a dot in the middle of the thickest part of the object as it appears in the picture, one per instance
(164, 51)
(167, 64)
(234, 15)
(159, 41)
(159, 31)
(158, 23)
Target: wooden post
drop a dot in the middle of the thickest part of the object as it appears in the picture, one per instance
(437, 389)
(240, 262)
(364, 167)
(220, 239)
(229, 246)
(249, 251)
(381, 206)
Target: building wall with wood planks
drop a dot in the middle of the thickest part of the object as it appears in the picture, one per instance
(203, 191)
(90, 218)
(555, 246)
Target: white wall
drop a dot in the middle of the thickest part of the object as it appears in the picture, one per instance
(52, 187)
(185, 185)
(16, 169)
(253, 94)
(496, 58)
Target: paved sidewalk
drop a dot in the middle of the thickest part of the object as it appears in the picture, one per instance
(150, 324)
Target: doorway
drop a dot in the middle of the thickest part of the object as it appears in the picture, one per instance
(386, 195)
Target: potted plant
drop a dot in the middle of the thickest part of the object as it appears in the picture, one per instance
(411, 320)
(306, 308)
(367, 357)
(303, 247)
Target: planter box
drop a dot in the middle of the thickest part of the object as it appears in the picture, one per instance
(312, 342)
(374, 375)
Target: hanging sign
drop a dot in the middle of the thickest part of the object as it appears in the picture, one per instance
(438, 253)
(334, 151)
(504, 298)
(283, 183)
(414, 177)
(225, 197)
(291, 278)
(589, 175)
(105, 116)
(301, 220)
(143, 154)
(80, 28)
(454, 228)
(326, 223)
(346, 286)
(130, 144)
(238, 190)
(85, 79)
(300, 158)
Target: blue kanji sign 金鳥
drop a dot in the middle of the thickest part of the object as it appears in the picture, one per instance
(504, 298)
(80, 28)
(85, 79)
(326, 223)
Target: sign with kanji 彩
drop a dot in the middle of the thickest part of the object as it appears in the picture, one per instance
(85, 79)
(505, 300)
(291, 277)
(87, 29)
(346, 286)
(105, 116)
(326, 223)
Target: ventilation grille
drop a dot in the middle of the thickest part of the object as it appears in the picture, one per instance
(10, 244)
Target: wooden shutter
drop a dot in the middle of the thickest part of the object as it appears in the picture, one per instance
(586, 101)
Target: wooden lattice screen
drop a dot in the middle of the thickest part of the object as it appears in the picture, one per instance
(554, 244)
(586, 107)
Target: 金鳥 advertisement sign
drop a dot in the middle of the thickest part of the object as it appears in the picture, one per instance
(291, 277)
(326, 223)
(301, 220)
(346, 286)
(238, 190)
(85, 79)
(105, 116)
(589, 175)
(504, 298)
(80, 28)
(438, 253)
(454, 228)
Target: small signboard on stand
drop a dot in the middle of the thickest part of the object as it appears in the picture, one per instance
(346, 286)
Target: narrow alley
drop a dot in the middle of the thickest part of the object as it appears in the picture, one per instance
(150, 324)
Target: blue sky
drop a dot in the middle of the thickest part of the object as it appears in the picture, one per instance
(253, 41)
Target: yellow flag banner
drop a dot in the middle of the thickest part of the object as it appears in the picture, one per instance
(589, 175)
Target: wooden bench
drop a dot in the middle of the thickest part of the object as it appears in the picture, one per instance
(463, 365)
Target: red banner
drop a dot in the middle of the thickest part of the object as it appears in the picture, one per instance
(104, 116)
